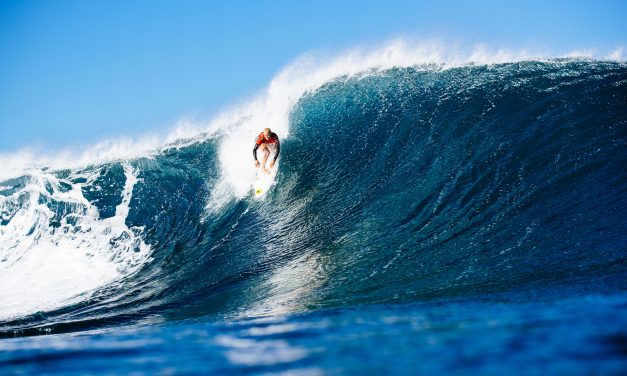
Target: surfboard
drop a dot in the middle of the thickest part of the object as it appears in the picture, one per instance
(263, 182)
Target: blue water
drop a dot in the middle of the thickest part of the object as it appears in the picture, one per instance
(454, 337)
(460, 220)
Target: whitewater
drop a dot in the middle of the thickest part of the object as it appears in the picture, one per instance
(458, 207)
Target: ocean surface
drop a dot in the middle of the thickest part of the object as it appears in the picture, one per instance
(424, 219)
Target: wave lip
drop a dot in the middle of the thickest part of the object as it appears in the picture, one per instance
(272, 105)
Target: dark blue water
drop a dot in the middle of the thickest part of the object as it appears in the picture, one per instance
(462, 220)
(583, 335)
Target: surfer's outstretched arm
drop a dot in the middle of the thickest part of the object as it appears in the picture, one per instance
(255, 154)
(278, 150)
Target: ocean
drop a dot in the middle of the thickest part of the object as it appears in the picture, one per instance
(425, 219)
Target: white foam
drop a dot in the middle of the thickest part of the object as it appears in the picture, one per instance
(42, 267)
(617, 55)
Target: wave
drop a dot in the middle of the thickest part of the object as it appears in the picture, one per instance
(400, 179)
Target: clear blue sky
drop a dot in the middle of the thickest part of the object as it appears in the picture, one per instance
(74, 72)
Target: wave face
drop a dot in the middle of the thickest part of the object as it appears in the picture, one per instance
(401, 185)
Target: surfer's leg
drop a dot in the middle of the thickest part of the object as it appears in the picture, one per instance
(271, 150)
(266, 153)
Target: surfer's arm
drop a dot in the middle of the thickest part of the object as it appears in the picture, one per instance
(278, 150)
(255, 151)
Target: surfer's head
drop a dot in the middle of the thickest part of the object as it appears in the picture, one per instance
(266, 132)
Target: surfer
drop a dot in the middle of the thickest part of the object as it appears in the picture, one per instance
(267, 142)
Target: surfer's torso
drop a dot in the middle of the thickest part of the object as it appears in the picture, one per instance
(273, 139)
